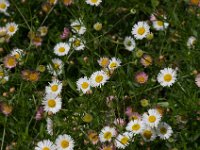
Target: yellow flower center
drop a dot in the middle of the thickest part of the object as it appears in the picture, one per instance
(124, 140)
(45, 148)
(51, 103)
(141, 30)
(54, 88)
(77, 27)
(160, 23)
(11, 28)
(107, 148)
(113, 65)
(17, 56)
(77, 43)
(168, 77)
(87, 118)
(61, 49)
(11, 61)
(56, 66)
(84, 85)
(64, 144)
(33, 76)
(1, 73)
(107, 135)
(2, 5)
(99, 78)
(152, 119)
(163, 130)
(147, 134)
(93, 137)
(104, 62)
(135, 127)
(140, 79)
(94, 1)
(147, 60)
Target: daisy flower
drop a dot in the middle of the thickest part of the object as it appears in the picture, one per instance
(93, 2)
(152, 118)
(104, 62)
(83, 84)
(114, 63)
(10, 61)
(49, 126)
(45, 145)
(78, 27)
(4, 4)
(64, 142)
(129, 43)
(98, 78)
(61, 49)
(141, 77)
(52, 103)
(146, 60)
(77, 43)
(122, 140)
(135, 126)
(167, 77)
(140, 30)
(54, 87)
(164, 131)
(148, 134)
(107, 133)
(97, 26)
(11, 28)
(160, 25)
(191, 41)
(93, 137)
(18, 53)
(43, 30)
(53, 2)
(56, 67)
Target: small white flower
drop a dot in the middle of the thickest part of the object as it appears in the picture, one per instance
(104, 62)
(93, 2)
(11, 28)
(164, 131)
(78, 27)
(191, 41)
(107, 133)
(18, 53)
(61, 49)
(56, 67)
(167, 77)
(54, 87)
(83, 84)
(114, 63)
(140, 30)
(52, 103)
(45, 145)
(98, 78)
(129, 43)
(123, 140)
(135, 126)
(148, 134)
(77, 43)
(4, 4)
(160, 25)
(152, 118)
(64, 142)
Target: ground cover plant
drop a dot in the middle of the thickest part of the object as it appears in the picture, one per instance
(99, 74)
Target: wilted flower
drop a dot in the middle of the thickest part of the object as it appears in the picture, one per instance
(39, 113)
(6, 109)
(65, 34)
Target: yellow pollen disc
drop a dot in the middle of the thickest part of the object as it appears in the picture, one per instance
(152, 119)
(168, 77)
(17, 56)
(77, 27)
(51, 103)
(56, 66)
(2, 5)
(124, 140)
(113, 65)
(141, 30)
(160, 23)
(45, 148)
(107, 148)
(141, 79)
(11, 61)
(61, 49)
(163, 130)
(107, 135)
(136, 127)
(54, 88)
(99, 78)
(94, 1)
(64, 144)
(147, 134)
(11, 28)
(33, 77)
(84, 85)
(77, 43)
